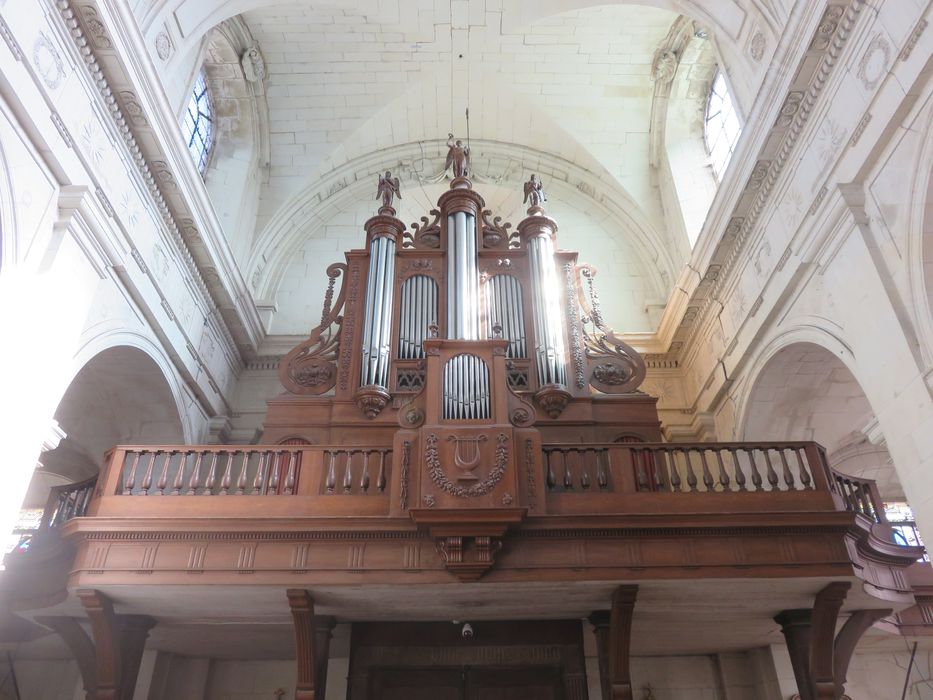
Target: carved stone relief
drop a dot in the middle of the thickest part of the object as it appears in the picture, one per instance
(48, 61)
(875, 62)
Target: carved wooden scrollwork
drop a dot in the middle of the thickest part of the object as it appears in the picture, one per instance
(614, 366)
(311, 367)
(427, 235)
(496, 234)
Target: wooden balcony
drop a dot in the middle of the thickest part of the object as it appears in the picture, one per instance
(185, 528)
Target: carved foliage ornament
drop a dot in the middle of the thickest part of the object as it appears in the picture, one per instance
(439, 476)
(615, 367)
(311, 367)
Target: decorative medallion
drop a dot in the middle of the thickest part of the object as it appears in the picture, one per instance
(439, 477)
(48, 62)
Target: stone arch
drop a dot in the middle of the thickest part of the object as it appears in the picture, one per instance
(803, 387)
(8, 243)
(119, 395)
(920, 240)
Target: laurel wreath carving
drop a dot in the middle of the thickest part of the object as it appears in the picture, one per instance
(436, 472)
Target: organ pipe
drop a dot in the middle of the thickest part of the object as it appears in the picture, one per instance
(462, 277)
(377, 329)
(548, 322)
(418, 308)
(504, 307)
(466, 388)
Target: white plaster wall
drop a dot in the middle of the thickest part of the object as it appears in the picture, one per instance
(250, 680)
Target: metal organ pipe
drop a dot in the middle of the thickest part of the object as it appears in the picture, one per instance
(504, 306)
(549, 331)
(466, 388)
(377, 329)
(417, 310)
(462, 277)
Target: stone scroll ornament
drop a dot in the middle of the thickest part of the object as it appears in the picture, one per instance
(311, 367)
(614, 366)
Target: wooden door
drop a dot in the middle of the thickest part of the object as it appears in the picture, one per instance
(417, 684)
(528, 683)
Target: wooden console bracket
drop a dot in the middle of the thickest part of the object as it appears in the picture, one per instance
(613, 630)
(820, 658)
(110, 664)
(312, 642)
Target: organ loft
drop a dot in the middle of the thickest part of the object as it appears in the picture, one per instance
(462, 439)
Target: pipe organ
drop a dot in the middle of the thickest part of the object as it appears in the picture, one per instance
(464, 344)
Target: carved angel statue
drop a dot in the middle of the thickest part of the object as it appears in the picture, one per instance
(254, 67)
(458, 157)
(534, 192)
(388, 189)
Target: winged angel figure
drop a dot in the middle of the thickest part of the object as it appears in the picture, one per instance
(534, 192)
(388, 189)
(458, 157)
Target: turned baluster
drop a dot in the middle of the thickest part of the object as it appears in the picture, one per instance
(163, 475)
(331, 480)
(675, 472)
(551, 476)
(275, 473)
(179, 479)
(211, 476)
(802, 468)
(661, 468)
(602, 455)
(348, 472)
(707, 474)
(147, 477)
(691, 476)
(772, 475)
(195, 475)
(756, 475)
(737, 465)
(723, 474)
(584, 468)
(867, 506)
(364, 477)
(641, 476)
(290, 474)
(259, 481)
(129, 480)
(785, 467)
(381, 478)
(568, 475)
(227, 478)
(241, 479)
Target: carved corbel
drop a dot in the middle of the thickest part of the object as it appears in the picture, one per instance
(613, 630)
(312, 645)
(110, 663)
(820, 657)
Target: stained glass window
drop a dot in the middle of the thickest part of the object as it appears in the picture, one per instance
(198, 125)
(722, 128)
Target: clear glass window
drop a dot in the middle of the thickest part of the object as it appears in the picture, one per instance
(722, 128)
(198, 125)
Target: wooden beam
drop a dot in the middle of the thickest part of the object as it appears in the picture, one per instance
(323, 631)
(81, 647)
(847, 639)
(823, 638)
(134, 630)
(620, 642)
(795, 625)
(302, 607)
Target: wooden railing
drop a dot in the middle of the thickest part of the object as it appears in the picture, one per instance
(685, 468)
(67, 502)
(248, 471)
(860, 496)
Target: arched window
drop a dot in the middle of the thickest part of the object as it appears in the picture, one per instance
(198, 125)
(722, 128)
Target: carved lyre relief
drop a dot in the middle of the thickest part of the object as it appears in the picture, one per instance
(467, 455)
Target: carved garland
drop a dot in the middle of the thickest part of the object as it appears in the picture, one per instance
(530, 474)
(346, 356)
(576, 346)
(406, 462)
(436, 472)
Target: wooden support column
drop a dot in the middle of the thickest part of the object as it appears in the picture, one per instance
(819, 656)
(110, 664)
(323, 631)
(600, 622)
(613, 631)
(302, 606)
